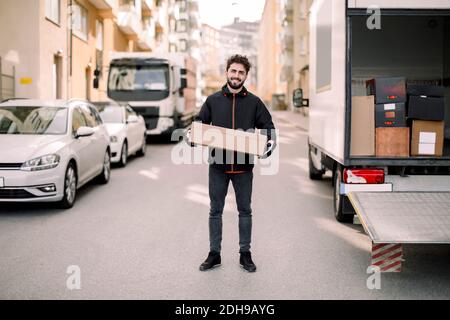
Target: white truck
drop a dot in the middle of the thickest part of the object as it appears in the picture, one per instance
(160, 87)
(398, 199)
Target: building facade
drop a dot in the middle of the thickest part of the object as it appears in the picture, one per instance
(241, 37)
(57, 48)
(296, 42)
(212, 67)
(271, 86)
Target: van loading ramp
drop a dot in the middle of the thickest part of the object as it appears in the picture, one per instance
(395, 218)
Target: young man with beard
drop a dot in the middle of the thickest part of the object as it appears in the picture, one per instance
(235, 108)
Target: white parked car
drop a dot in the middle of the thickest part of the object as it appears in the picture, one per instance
(49, 149)
(126, 130)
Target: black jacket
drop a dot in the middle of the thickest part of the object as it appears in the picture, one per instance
(243, 111)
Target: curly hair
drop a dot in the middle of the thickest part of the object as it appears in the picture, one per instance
(237, 58)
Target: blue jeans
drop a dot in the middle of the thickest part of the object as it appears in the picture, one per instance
(218, 187)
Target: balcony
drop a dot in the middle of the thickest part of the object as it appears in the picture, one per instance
(129, 20)
(287, 66)
(147, 39)
(287, 39)
(287, 13)
(107, 8)
(147, 7)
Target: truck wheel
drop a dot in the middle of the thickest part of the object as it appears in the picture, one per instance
(338, 199)
(314, 174)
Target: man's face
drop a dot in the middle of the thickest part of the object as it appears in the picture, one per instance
(236, 76)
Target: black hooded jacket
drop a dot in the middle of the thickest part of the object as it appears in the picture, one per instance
(242, 111)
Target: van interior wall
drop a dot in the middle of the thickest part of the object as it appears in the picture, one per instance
(414, 47)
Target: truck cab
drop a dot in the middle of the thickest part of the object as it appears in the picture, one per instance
(156, 87)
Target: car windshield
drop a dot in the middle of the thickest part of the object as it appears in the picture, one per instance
(110, 114)
(139, 78)
(33, 120)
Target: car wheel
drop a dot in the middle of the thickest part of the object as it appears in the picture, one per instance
(124, 154)
(70, 187)
(338, 199)
(104, 176)
(141, 152)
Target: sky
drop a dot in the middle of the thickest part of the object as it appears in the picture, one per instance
(217, 13)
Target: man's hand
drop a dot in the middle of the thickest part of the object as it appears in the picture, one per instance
(270, 146)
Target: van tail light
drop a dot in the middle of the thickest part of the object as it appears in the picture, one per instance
(368, 176)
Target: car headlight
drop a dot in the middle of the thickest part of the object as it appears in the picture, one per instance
(42, 163)
(113, 139)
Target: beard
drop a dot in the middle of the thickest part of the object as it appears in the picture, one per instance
(235, 86)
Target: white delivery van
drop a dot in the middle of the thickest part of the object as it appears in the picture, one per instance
(401, 199)
(160, 87)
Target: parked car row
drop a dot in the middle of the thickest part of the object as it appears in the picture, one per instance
(49, 149)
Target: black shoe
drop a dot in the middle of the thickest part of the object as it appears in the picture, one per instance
(212, 261)
(246, 262)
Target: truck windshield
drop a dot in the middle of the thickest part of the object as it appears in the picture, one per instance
(139, 78)
(33, 120)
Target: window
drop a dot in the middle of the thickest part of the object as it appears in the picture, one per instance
(89, 115)
(182, 25)
(79, 21)
(99, 28)
(303, 9)
(303, 45)
(52, 12)
(77, 120)
(183, 45)
(183, 6)
(98, 119)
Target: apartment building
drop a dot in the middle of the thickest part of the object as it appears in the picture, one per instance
(241, 37)
(295, 46)
(271, 88)
(212, 67)
(34, 43)
(59, 47)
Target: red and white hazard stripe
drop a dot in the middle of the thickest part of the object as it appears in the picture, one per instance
(388, 257)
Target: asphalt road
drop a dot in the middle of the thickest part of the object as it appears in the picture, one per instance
(143, 236)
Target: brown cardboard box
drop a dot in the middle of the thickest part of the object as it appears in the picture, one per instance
(362, 141)
(392, 142)
(228, 139)
(427, 138)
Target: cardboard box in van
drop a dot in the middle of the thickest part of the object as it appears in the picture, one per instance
(392, 142)
(363, 126)
(427, 138)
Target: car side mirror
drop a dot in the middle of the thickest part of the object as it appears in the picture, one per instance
(84, 132)
(132, 119)
(298, 100)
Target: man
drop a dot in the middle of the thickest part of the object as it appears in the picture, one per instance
(235, 108)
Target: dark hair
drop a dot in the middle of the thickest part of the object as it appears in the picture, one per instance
(237, 58)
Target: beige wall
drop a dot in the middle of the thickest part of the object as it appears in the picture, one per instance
(52, 38)
(19, 43)
(269, 51)
(84, 54)
(301, 59)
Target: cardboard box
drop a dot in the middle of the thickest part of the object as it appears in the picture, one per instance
(390, 115)
(427, 138)
(362, 141)
(426, 108)
(228, 139)
(387, 90)
(392, 142)
(425, 90)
